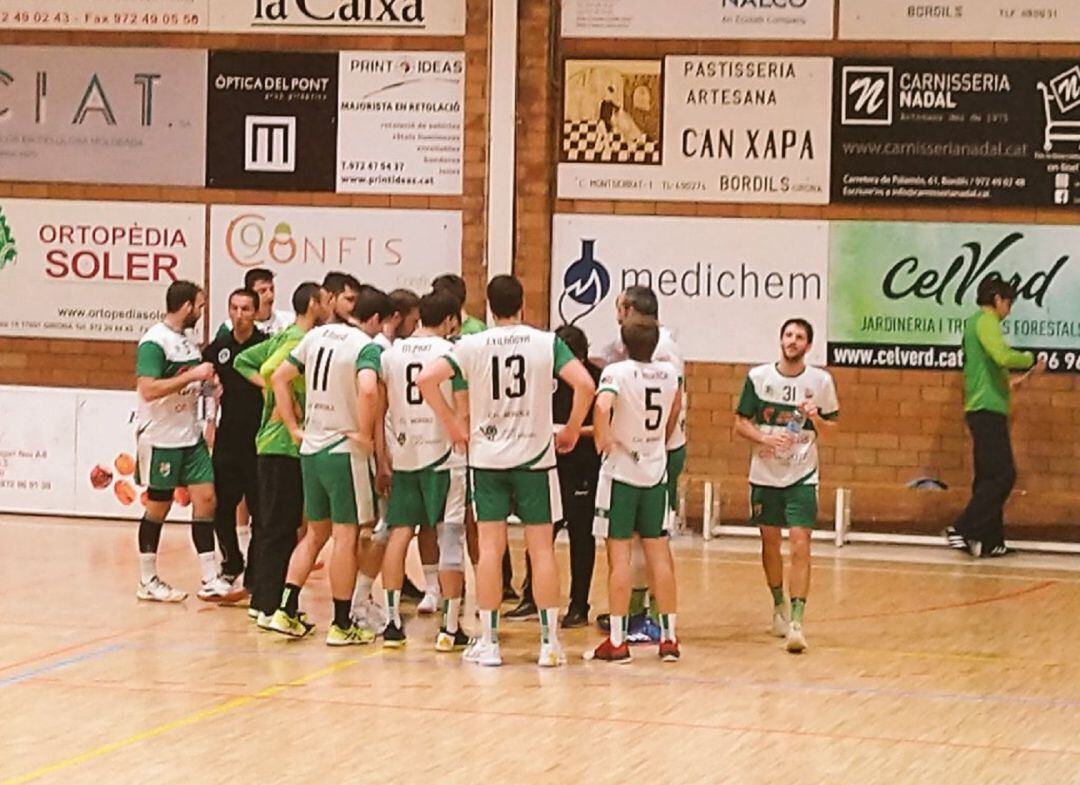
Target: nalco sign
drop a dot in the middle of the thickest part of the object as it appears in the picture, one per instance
(373, 17)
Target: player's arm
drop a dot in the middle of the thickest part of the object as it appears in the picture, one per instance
(281, 384)
(988, 331)
(572, 371)
(430, 382)
(824, 412)
(249, 361)
(673, 417)
(605, 404)
(151, 381)
(747, 429)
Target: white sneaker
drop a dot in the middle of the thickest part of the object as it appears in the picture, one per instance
(217, 590)
(429, 604)
(780, 621)
(796, 641)
(370, 615)
(482, 653)
(551, 656)
(156, 590)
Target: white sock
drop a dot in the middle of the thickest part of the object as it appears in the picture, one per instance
(667, 626)
(431, 579)
(549, 625)
(243, 536)
(490, 622)
(616, 633)
(362, 592)
(451, 614)
(147, 566)
(208, 565)
(393, 605)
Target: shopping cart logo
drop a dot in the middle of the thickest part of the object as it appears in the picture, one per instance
(1060, 98)
(1066, 89)
(867, 95)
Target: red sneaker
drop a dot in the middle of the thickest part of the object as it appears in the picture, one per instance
(608, 652)
(669, 651)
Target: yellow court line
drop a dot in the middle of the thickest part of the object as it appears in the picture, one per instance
(183, 722)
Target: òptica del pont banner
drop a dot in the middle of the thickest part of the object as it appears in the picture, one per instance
(899, 292)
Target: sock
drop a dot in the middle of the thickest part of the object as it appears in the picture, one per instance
(667, 626)
(650, 607)
(777, 595)
(490, 622)
(549, 625)
(202, 535)
(617, 634)
(208, 566)
(393, 606)
(451, 614)
(149, 535)
(637, 601)
(290, 600)
(342, 608)
(798, 606)
(147, 566)
(431, 578)
(362, 591)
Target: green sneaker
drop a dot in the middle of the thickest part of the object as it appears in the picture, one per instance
(350, 636)
(294, 627)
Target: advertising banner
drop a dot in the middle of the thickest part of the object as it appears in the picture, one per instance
(272, 121)
(783, 19)
(102, 115)
(401, 124)
(980, 132)
(966, 20)
(721, 129)
(172, 16)
(900, 292)
(339, 17)
(37, 450)
(94, 270)
(725, 285)
(385, 248)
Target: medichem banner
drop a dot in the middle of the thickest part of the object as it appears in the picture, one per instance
(386, 248)
(94, 270)
(963, 20)
(725, 285)
(900, 292)
(339, 17)
(700, 129)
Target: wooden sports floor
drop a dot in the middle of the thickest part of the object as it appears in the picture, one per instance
(923, 668)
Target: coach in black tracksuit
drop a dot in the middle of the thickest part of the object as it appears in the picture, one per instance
(234, 443)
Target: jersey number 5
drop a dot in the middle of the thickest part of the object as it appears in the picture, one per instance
(515, 367)
(654, 411)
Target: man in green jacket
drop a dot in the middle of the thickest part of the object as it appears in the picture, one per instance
(980, 529)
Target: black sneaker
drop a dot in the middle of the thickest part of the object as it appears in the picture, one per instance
(393, 636)
(447, 642)
(509, 595)
(955, 539)
(523, 612)
(409, 591)
(998, 551)
(575, 617)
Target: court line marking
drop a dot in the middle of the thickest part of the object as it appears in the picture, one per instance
(54, 666)
(182, 722)
(83, 644)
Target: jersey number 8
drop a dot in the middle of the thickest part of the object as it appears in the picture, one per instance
(412, 392)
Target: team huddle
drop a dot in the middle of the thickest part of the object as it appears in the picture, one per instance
(371, 417)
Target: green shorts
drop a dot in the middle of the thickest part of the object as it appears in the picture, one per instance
(623, 509)
(339, 485)
(796, 505)
(426, 497)
(531, 494)
(168, 468)
(676, 462)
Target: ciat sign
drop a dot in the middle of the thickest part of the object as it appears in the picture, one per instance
(112, 253)
(253, 241)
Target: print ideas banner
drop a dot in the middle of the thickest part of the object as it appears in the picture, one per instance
(900, 292)
(102, 115)
(785, 19)
(723, 129)
(960, 20)
(94, 270)
(386, 248)
(725, 285)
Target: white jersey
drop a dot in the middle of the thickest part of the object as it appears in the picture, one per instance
(510, 372)
(330, 358)
(666, 351)
(415, 437)
(171, 421)
(383, 341)
(768, 400)
(277, 323)
(645, 397)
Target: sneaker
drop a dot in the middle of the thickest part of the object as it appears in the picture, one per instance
(263, 622)
(643, 630)
(481, 653)
(523, 612)
(292, 626)
(221, 591)
(551, 656)
(393, 637)
(998, 551)
(955, 539)
(606, 651)
(156, 590)
(253, 613)
(796, 641)
(410, 591)
(669, 651)
(575, 617)
(428, 605)
(781, 618)
(240, 595)
(445, 642)
(351, 636)
(974, 548)
(371, 615)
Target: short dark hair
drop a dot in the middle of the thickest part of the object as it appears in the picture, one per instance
(404, 300)
(304, 295)
(993, 286)
(505, 296)
(454, 284)
(372, 302)
(245, 292)
(256, 274)
(336, 283)
(643, 300)
(436, 306)
(640, 335)
(575, 338)
(807, 328)
(179, 294)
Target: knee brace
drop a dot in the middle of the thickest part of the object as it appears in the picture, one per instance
(451, 546)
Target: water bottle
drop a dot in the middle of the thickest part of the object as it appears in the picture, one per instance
(796, 423)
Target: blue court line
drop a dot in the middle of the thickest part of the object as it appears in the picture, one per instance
(55, 666)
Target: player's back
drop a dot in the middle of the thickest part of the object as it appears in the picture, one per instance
(645, 395)
(416, 437)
